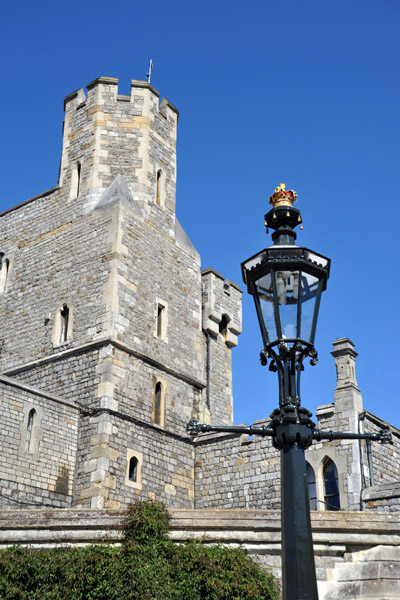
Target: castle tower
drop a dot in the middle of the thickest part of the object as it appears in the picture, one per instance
(103, 307)
(109, 134)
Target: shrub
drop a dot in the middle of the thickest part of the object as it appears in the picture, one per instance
(146, 522)
(147, 567)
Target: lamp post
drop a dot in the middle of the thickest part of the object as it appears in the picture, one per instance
(286, 282)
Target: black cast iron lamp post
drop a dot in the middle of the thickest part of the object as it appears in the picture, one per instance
(286, 282)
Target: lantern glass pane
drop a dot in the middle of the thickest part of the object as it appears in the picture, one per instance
(287, 288)
(309, 290)
(266, 298)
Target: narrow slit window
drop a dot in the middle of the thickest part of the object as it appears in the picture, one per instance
(160, 320)
(157, 404)
(3, 274)
(78, 179)
(158, 187)
(75, 186)
(133, 469)
(29, 428)
(331, 486)
(64, 324)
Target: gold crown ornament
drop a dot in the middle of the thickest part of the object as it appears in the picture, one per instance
(282, 197)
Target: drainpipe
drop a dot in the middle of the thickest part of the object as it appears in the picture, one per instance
(361, 418)
(370, 463)
(206, 402)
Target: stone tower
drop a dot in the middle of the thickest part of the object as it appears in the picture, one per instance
(106, 317)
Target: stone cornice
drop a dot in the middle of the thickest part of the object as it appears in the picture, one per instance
(98, 344)
(34, 391)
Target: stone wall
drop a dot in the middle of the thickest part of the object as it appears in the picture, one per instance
(71, 373)
(56, 258)
(385, 457)
(340, 538)
(38, 447)
(233, 471)
(383, 498)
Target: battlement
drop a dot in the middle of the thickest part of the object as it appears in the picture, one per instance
(107, 134)
(108, 86)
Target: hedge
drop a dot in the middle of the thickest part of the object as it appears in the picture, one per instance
(148, 566)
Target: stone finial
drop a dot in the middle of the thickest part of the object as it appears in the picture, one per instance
(347, 394)
(345, 361)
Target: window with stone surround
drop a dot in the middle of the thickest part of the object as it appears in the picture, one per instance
(133, 476)
(331, 486)
(4, 267)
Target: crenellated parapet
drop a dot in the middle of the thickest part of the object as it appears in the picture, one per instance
(107, 134)
(222, 307)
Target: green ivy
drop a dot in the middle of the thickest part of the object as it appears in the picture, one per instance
(148, 566)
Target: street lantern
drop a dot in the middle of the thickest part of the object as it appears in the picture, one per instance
(286, 282)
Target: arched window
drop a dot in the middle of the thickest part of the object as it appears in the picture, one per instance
(158, 404)
(64, 313)
(29, 428)
(312, 488)
(159, 187)
(133, 477)
(5, 263)
(331, 486)
(133, 469)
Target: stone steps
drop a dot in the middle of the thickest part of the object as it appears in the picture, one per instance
(372, 574)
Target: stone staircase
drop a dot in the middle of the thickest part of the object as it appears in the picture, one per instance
(372, 574)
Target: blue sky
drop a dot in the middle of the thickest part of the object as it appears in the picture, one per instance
(301, 92)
